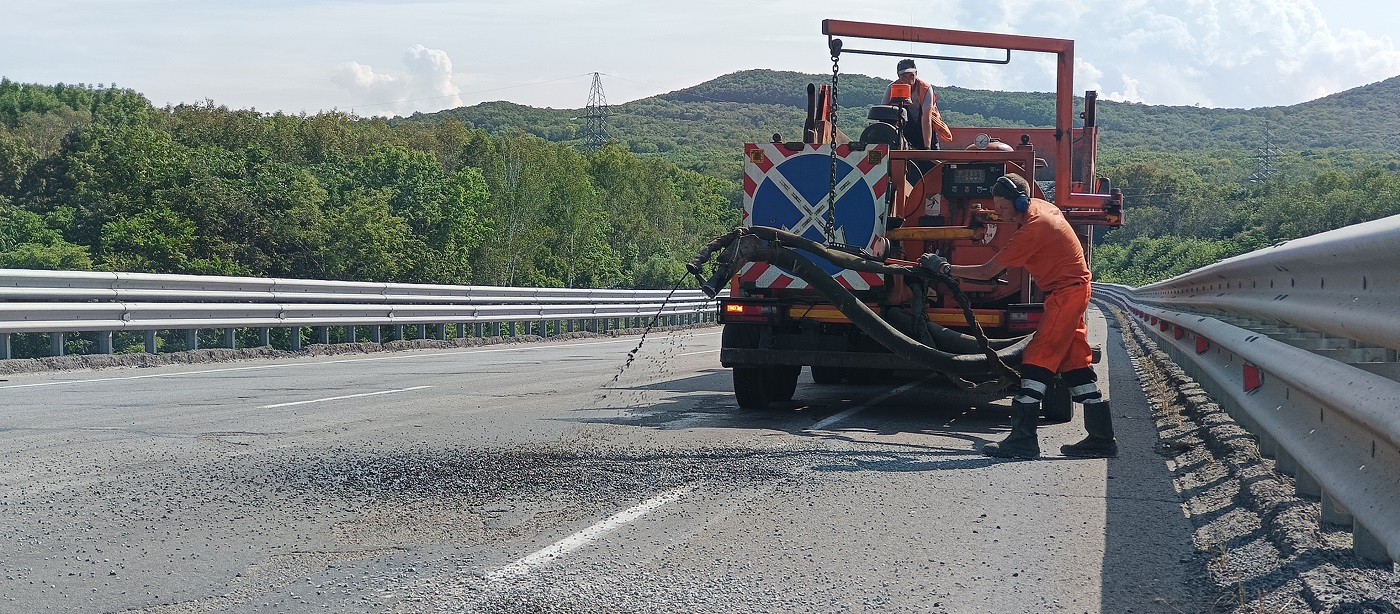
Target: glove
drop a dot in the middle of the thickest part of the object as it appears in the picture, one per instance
(935, 263)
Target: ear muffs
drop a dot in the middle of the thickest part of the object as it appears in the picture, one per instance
(1009, 190)
(1022, 203)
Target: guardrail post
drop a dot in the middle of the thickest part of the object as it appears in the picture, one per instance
(323, 335)
(295, 334)
(192, 339)
(376, 334)
(1366, 546)
(264, 337)
(398, 332)
(231, 338)
(6, 350)
(151, 346)
(1306, 485)
(350, 333)
(1268, 447)
(55, 344)
(1333, 512)
(441, 333)
(1284, 463)
(461, 330)
(104, 342)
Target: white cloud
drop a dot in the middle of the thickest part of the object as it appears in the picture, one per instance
(426, 85)
(1238, 53)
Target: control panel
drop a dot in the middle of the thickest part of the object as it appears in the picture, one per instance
(971, 179)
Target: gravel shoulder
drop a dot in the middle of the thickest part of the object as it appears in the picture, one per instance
(1265, 547)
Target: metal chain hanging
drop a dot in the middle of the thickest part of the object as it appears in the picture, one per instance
(835, 46)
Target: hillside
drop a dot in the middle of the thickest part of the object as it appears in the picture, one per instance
(702, 126)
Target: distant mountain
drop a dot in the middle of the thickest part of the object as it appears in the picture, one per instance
(703, 126)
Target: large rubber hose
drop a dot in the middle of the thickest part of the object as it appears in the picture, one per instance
(963, 365)
(946, 339)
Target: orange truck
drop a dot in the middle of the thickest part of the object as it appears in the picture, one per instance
(893, 203)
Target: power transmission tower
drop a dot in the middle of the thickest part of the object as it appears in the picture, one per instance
(596, 134)
(1265, 157)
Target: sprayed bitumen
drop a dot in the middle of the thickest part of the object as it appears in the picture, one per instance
(632, 355)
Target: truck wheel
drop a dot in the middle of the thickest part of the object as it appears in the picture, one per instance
(826, 375)
(751, 388)
(782, 381)
(1057, 406)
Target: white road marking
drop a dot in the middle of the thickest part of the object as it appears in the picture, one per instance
(864, 406)
(573, 542)
(327, 362)
(698, 353)
(348, 396)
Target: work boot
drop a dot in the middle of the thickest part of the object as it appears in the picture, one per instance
(1021, 443)
(1100, 443)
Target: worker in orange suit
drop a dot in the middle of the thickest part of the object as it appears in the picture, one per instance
(1047, 247)
(925, 130)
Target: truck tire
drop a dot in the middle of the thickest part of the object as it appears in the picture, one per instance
(751, 387)
(827, 375)
(782, 381)
(1057, 408)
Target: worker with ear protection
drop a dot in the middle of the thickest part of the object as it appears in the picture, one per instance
(1046, 246)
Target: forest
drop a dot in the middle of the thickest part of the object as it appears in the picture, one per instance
(95, 177)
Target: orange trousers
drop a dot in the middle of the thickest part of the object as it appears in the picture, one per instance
(1061, 341)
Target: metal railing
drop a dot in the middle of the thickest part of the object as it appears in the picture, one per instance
(59, 302)
(1297, 342)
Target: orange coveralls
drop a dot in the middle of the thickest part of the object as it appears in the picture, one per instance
(1047, 247)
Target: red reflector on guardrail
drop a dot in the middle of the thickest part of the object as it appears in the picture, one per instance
(1179, 332)
(1253, 378)
(1164, 326)
(1154, 320)
(1202, 344)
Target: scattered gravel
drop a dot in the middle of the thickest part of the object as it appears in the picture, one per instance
(1267, 548)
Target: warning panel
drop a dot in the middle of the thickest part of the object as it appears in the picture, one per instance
(790, 189)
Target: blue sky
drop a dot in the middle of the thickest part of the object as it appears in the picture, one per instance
(396, 57)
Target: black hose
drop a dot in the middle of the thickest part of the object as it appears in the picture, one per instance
(943, 338)
(964, 365)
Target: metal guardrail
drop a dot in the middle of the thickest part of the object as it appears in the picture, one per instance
(1313, 376)
(58, 302)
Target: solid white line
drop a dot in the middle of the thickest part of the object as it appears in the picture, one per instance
(573, 542)
(864, 406)
(348, 396)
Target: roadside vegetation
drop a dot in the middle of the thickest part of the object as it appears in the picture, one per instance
(95, 177)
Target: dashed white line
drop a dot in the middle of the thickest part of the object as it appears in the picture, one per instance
(573, 542)
(348, 396)
(698, 353)
(830, 420)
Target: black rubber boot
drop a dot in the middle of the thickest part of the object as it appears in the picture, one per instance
(1100, 443)
(1021, 443)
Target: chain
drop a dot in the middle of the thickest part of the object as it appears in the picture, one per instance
(831, 197)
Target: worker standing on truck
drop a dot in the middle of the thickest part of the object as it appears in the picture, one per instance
(1047, 247)
(925, 130)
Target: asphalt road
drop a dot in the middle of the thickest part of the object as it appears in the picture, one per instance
(546, 478)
